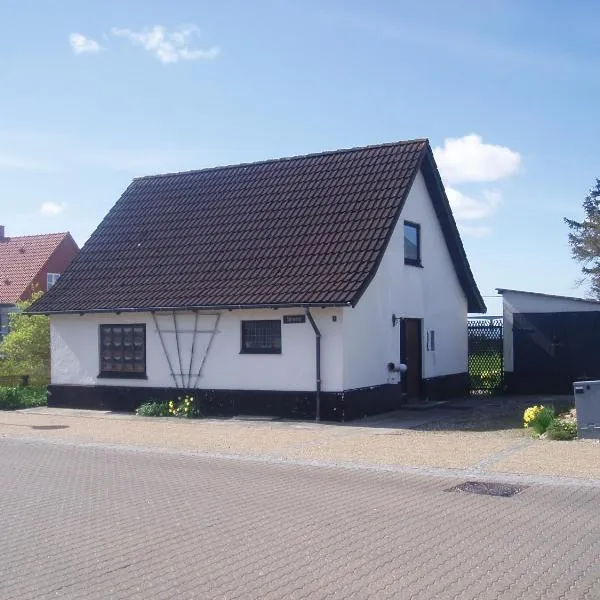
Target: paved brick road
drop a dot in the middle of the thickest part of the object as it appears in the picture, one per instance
(102, 522)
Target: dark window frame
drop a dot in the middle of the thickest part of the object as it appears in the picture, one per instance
(411, 261)
(109, 374)
(244, 349)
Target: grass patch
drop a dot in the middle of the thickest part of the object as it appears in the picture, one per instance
(486, 371)
(15, 398)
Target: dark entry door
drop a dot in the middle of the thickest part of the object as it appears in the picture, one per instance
(411, 353)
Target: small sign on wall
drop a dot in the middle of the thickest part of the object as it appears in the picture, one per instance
(288, 319)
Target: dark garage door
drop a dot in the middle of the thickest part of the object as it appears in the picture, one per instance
(551, 350)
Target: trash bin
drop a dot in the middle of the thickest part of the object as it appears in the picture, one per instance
(587, 405)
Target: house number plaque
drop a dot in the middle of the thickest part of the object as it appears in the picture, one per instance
(294, 319)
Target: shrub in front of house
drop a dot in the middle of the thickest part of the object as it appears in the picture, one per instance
(153, 408)
(187, 407)
(15, 398)
(561, 430)
(538, 418)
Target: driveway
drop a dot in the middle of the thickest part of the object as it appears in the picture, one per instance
(98, 522)
(485, 440)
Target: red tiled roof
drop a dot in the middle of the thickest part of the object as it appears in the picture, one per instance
(21, 259)
(303, 230)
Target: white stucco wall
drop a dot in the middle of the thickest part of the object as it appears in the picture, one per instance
(432, 293)
(75, 351)
(514, 301)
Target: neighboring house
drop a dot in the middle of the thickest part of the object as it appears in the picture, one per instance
(549, 342)
(29, 263)
(291, 287)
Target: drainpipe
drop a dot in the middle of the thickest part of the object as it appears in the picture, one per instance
(318, 358)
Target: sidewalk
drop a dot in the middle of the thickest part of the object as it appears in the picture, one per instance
(443, 438)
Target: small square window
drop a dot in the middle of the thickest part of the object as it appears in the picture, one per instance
(412, 244)
(123, 351)
(51, 279)
(261, 337)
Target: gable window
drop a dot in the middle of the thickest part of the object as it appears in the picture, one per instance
(123, 351)
(412, 244)
(261, 337)
(51, 279)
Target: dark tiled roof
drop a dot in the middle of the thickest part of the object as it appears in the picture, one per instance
(303, 230)
(21, 259)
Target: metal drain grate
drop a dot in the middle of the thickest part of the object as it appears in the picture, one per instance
(486, 488)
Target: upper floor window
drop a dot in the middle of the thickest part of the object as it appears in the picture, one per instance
(51, 279)
(261, 337)
(412, 244)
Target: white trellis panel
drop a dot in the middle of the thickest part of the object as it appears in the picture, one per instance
(186, 339)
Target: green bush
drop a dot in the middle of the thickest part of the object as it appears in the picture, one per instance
(561, 430)
(153, 409)
(14, 398)
(539, 418)
(187, 407)
(25, 349)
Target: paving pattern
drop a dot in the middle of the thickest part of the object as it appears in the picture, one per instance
(100, 522)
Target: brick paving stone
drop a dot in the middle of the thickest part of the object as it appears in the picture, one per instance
(100, 522)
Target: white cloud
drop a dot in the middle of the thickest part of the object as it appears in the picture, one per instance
(470, 159)
(82, 45)
(168, 47)
(51, 209)
(467, 208)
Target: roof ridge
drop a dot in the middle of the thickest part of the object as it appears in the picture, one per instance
(31, 235)
(285, 158)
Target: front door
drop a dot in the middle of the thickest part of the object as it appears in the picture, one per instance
(411, 355)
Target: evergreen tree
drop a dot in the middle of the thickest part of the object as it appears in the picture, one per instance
(584, 240)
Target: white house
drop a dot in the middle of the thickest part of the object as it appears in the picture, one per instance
(549, 341)
(293, 287)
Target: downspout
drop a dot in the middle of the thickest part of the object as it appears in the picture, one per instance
(318, 359)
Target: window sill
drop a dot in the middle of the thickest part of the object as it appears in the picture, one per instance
(260, 351)
(117, 375)
(413, 263)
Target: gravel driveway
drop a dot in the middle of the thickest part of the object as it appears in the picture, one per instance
(485, 439)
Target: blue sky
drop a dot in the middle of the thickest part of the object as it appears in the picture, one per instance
(96, 93)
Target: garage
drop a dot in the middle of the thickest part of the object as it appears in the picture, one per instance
(549, 342)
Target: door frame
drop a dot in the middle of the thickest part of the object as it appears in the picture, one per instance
(403, 356)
